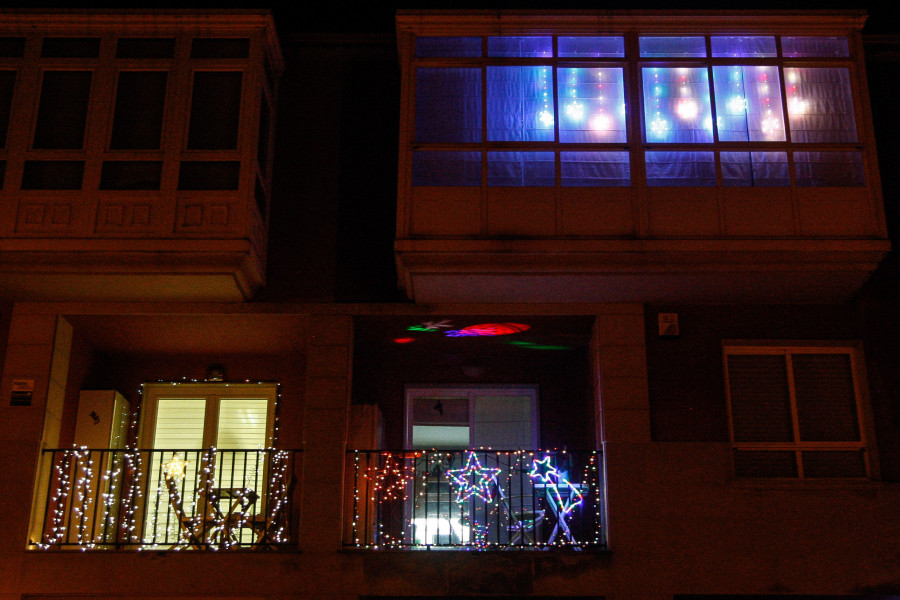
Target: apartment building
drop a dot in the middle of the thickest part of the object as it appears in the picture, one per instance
(510, 304)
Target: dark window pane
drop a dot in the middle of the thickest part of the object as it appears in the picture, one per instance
(520, 46)
(834, 463)
(63, 109)
(446, 168)
(595, 169)
(215, 110)
(448, 105)
(212, 175)
(131, 175)
(763, 463)
(259, 194)
(12, 47)
(760, 405)
(140, 100)
(829, 169)
(826, 401)
(448, 46)
(145, 48)
(521, 169)
(52, 175)
(7, 87)
(70, 47)
(220, 48)
(262, 147)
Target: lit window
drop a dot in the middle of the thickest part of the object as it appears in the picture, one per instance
(795, 411)
(718, 110)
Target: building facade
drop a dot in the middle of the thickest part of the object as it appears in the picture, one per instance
(634, 337)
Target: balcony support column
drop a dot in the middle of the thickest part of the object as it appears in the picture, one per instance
(328, 384)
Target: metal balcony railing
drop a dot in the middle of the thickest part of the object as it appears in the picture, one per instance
(475, 499)
(175, 499)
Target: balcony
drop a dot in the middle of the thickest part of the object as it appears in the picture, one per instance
(475, 500)
(108, 499)
(613, 157)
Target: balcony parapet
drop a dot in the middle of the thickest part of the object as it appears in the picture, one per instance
(475, 500)
(174, 499)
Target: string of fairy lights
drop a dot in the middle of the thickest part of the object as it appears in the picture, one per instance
(121, 503)
(475, 508)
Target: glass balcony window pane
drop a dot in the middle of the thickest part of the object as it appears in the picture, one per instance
(829, 169)
(446, 168)
(673, 46)
(748, 104)
(696, 169)
(583, 46)
(592, 105)
(520, 104)
(755, 169)
(815, 46)
(448, 105)
(820, 105)
(448, 46)
(595, 169)
(521, 169)
(677, 105)
(743, 46)
(520, 46)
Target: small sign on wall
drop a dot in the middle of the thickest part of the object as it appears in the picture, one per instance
(668, 324)
(22, 391)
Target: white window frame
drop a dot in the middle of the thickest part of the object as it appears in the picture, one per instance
(213, 392)
(470, 391)
(853, 350)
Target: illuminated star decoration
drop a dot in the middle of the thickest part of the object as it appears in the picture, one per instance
(547, 473)
(391, 479)
(473, 480)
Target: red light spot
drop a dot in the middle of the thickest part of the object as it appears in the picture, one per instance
(496, 328)
(406, 340)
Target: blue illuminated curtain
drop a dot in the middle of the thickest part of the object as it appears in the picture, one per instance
(755, 169)
(521, 169)
(591, 105)
(595, 169)
(520, 104)
(448, 105)
(681, 168)
(820, 105)
(676, 105)
(748, 104)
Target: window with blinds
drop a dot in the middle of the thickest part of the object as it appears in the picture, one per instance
(795, 411)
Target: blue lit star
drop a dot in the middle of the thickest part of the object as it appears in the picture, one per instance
(560, 490)
(473, 480)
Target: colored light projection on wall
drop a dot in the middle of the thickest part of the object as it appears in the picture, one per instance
(445, 326)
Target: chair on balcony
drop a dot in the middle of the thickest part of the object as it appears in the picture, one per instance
(191, 528)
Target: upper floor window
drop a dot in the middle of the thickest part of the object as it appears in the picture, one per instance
(694, 110)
